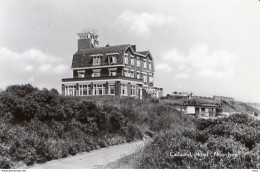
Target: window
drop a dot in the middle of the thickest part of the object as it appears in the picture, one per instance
(96, 60)
(126, 58)
(145, 64)
(96, 73)
(132, 61)
(133, 90)
(132, 74)
(112, 59)
(126, 73)
(150, 65)
(145, 78)
(138, 75)
(112, 71)
(112, 89)
(84, 90)
(70, 90)
(124, 89)
(81, 74)
(150, 79)
(98, 89)
(138, 63)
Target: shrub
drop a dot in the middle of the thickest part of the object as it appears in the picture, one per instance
(40, 125)
(227, 143)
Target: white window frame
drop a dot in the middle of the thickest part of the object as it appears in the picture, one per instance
(150, 64)
(138, 63)
(126, 59)
(70, 90)
(132, 61)
(133, 90)
(109, 89)
(97, 88)
(124, 89)
(96, 73)
(83, 88)
(145, 64)
(132, 74)
(138, 75)
(112, 59)
(126, 73)
(150, 79)
(96, 59)
(145, 78)
(81, 74)
(112, 71)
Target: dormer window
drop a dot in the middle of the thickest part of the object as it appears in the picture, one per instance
(81, 74)
(112, 58)
(96, 60)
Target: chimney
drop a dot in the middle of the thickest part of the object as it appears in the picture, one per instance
(87, 39)
(84, 44)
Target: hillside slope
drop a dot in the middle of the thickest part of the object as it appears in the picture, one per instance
(237, 106)
(254, 105)
(40, 125)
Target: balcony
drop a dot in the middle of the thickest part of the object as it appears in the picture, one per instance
(102, 77)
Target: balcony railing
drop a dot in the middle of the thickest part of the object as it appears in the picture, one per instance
(102, 64)
(102, 77)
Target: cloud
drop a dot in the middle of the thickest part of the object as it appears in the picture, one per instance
(163, 66)
(30, 66)
(181, 76)
(141, 24)
(200, 62)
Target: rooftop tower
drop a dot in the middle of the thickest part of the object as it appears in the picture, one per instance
(88, 38)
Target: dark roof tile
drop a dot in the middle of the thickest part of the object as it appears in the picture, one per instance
(83, 58)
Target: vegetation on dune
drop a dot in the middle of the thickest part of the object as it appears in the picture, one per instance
(232, 142)
(40, 125)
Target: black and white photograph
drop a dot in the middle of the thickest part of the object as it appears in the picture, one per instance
(129, 84)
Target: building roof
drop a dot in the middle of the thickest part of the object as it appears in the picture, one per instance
(143, 52)
(83, 58)
(108, 49)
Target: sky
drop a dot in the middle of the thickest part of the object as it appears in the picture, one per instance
(208, 47)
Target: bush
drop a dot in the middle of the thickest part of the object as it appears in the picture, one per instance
(225, 143)
(41, 125)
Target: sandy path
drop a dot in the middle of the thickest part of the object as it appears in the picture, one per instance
(92, 159)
